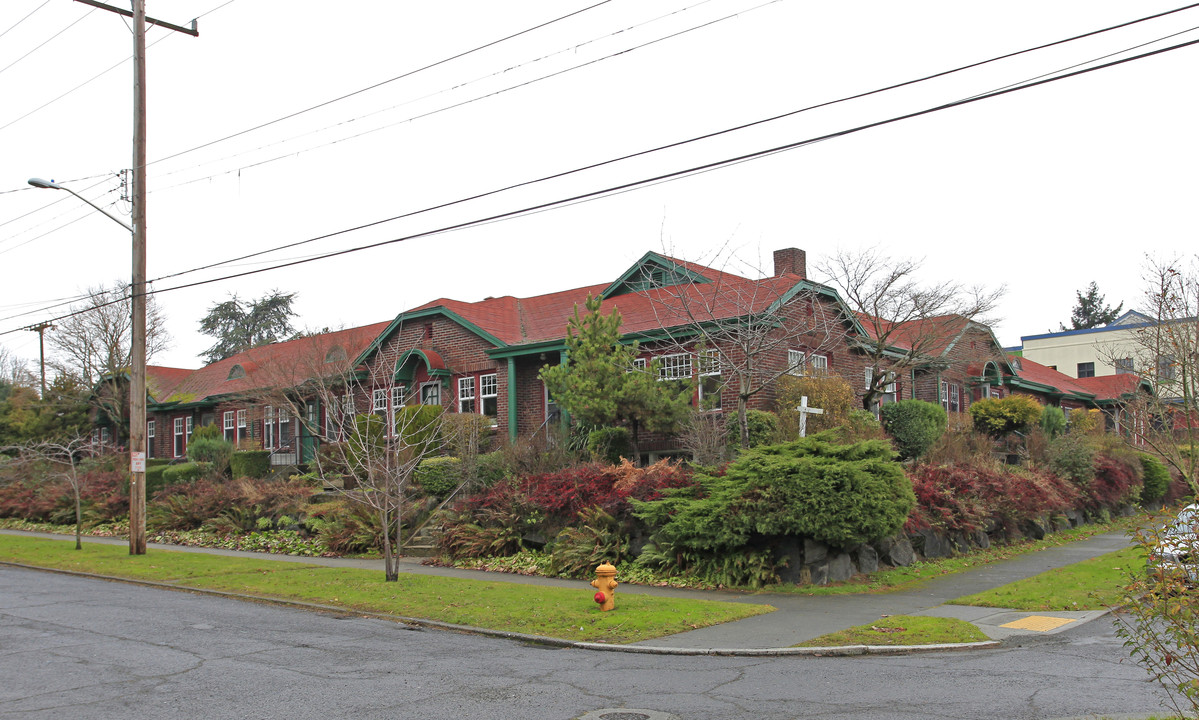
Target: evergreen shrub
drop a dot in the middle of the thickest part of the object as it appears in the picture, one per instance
(250, 463)
(207, 445)
(841, 495)
(1156, 478)
(1053, 421)
(188, 472)
(609, 444)
(439, 476)
(914, 425)
(763, 427)
(1001, 416)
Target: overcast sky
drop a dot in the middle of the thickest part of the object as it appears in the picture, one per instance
(1042, 190)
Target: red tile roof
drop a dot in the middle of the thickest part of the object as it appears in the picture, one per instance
(542, 318)
(282, 364)
(1044, 375)
(162, 381)
(1110, 387)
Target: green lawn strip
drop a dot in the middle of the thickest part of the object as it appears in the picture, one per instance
(902, 630)
(549, 611)
(1088, 585)
(906, 578)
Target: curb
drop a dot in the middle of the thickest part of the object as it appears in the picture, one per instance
(421, 623)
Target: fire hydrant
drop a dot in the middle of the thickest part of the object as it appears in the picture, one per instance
(605, 583)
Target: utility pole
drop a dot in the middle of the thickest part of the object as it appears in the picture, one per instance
(137, 385)
(41, 329)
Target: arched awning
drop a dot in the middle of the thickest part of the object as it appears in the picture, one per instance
(405, 368)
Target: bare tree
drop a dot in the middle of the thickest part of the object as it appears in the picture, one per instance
(57, 459)
(907, 324)
(744, 333)
(1167, 353)
(14, 371)
(94, 345)
(375, 431)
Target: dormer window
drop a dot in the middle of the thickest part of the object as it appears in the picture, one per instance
(335, 354)
(235, 372)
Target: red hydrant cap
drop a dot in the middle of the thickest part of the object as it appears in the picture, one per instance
(600, 597)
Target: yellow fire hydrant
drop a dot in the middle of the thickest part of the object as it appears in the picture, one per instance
(605, 583)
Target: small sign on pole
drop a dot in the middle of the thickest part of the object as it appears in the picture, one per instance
(804, 412)
(137, 462)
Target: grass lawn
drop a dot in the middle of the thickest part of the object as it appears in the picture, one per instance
(906, 578)
(1089, 585)
(902, 630)
(553, 612)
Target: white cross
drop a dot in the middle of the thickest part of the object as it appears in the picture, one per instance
(804, 411)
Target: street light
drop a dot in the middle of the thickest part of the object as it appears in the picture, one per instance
(137, 382)
(51, 185)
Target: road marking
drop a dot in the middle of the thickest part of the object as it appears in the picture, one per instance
(1039, 623)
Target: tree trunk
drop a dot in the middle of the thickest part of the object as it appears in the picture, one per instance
(633, 441)
(389, 571)
(743, 420)
(78, 519)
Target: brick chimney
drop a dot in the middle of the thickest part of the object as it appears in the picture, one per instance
(791, 260)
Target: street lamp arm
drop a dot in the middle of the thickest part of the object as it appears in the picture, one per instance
(40, 183)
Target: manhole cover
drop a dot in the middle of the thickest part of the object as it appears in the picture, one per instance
(627, 714)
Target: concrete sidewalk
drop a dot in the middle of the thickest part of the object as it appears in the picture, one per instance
(797, 617)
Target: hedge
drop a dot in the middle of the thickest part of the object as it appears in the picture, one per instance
(250, 463)
(186, 472)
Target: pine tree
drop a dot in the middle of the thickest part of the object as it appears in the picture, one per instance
(1090, 310)
(599, 385)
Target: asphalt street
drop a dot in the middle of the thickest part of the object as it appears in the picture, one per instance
(86, 648)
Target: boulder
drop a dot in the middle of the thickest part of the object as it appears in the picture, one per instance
(896, 551)
(840, 567)
(814, 551)
(867, 559)
(934, 545)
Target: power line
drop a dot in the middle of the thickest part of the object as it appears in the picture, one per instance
(44, 42)
(379, 84)
(662, 147)
(80, 85)
(572, 48)
(31, 12)
(665, 177)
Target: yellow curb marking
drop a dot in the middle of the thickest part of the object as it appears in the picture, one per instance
(1040, 623)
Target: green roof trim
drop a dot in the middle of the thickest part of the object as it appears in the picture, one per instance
(437, 310)
(652, 271)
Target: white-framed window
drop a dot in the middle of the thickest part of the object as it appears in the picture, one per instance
(268, 428)
(489, 391)
(95, 436)
(951, 396)
(179, 447)
(104, 436)
(466, 395)
(639, 364)
(150, 427)
(230, 428)
(674, 367)
(379, 402)
(796, 362)
(284, 427)
(189, 424)
(819, 365)
(430, 393)
(709, 380)
(242, 432)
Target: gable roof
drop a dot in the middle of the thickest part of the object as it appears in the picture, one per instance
(1114, 387)
(711, 295)
(283, 364)
(162, 381)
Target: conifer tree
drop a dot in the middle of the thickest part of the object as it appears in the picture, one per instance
(1090, 310)
(599, 384)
